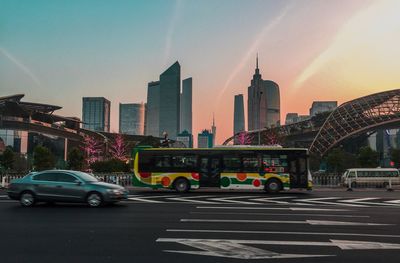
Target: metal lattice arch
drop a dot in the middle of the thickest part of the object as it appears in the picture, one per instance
(358, 116)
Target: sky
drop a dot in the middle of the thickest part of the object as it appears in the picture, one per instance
(57, 51)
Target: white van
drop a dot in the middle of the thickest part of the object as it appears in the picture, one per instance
(371, 177)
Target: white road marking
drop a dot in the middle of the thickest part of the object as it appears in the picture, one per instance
(146, 199)
(393, 201)
(278, 232)
(273, 200)
(3, 195)
(363, 201)
(276, 214)
(228, 249)
(310, 222)
(321, 201)
(190, 199)
(272, 208)
(229, 200)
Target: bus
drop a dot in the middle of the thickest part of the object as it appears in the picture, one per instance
(370, 177)
(271, 169)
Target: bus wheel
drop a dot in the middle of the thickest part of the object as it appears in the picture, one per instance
(181, 185)
(273, 186)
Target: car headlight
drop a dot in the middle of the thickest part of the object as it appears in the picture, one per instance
(115, 191)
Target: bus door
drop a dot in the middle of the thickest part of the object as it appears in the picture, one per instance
(298, 171)
(210, 171)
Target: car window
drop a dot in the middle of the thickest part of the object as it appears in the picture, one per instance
(45, 177)
(65, 178)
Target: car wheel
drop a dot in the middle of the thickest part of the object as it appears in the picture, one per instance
(94, 199)
(27, 199)
(182, 185)
(273, 186)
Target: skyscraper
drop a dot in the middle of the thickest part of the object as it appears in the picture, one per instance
(322, 106)
(273, 103)
(186, 106)
(263, 107)
(238, 114)
(214, 131)
(256, 102)
(153, 109)
(96, 113)
(205, 139)
(131, 118)
(169, 113)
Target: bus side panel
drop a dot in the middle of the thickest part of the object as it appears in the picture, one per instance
(166, 180)
(251, 180)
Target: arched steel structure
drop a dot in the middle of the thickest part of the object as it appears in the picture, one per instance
(358, 116)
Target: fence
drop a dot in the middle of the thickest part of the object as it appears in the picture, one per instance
(123, 179)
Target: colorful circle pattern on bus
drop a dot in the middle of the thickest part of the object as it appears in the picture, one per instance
(241, 177)
(165, 181)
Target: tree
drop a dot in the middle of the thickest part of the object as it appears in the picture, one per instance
(272, 137)
(75, 159)
(7, 159)
(395, 157)
(92, 150)
(243, 138)
(109, 166)
(43, 159)
(335, 159)
(118, 148)
(367, 157)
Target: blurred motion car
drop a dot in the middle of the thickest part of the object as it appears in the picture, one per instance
(64, 186)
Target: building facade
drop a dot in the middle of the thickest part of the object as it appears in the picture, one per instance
(256, 103)
(96, 113)
(205, 139)
(169, 112)
(238, 114)
(322, 106)
(186, 138)
(131, 118)
(273, 103)
(186, 106)
(152, 109)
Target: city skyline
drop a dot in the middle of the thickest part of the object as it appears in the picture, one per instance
(68, 59)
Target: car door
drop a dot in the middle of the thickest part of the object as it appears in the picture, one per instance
(69, 187)
(44, 185)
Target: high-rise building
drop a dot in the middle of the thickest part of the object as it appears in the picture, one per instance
(291, 117)
(169, 112)
(153, 109)
(205, 139)
(238, 114)
(131, 118)
(186, 106)
(322, 106)
(273, 103)
(263, 105)
(186, 138)
(214, 132)
(96, 113)
(256, 102)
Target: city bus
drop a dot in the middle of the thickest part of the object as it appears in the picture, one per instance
(272, 169)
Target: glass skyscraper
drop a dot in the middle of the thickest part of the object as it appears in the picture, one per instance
(153, 109)
(96, 113)
(186, 106)
(131, 118)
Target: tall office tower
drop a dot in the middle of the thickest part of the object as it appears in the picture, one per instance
(153, 109)
(273, 103)
(238, 114)
(214, 131)
(96, 113)
(322, 106)
(170, 90)
(131, 118)
(256, 102)
(186, 106)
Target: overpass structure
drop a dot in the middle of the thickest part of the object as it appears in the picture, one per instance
(327, 130)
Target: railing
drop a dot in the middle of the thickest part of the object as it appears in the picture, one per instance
(123, 179)
(327, 180)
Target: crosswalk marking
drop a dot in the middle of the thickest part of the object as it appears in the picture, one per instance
(310, 222)
(322, 201)
(272, 208)
(146, 199)
(277, 214)
(229, 200)
(190, 199)
(363, 201)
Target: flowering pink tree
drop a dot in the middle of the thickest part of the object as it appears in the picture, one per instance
(272, 137)
(243, 138)
(92, 150)
(118, 148)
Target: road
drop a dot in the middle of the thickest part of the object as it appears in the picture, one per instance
(208, 226)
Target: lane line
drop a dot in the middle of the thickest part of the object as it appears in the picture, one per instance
(229, 200)
(273, 208)
(145, 199)
(279, 233)
(362, 201)
(189, 199)
(310, 222)
(320, 201)
(276, 214)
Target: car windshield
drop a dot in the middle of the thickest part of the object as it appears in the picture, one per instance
(86, 177)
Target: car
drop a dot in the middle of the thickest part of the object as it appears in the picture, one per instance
(64, 186)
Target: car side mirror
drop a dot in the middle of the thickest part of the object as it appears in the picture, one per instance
(78, 182)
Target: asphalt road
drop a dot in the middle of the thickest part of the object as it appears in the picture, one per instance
(208, 226)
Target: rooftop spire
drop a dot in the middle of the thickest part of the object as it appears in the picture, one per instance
(257, 61)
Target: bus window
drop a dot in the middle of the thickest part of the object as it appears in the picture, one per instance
(162, 161)
(250, 164)
(275, 163)
(232, 164)
(351, 174)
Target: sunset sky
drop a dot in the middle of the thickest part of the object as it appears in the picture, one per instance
(57, 51)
